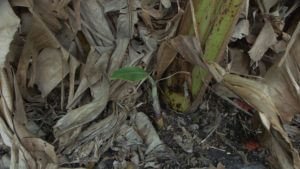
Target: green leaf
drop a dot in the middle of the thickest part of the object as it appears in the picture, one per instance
(130, 74)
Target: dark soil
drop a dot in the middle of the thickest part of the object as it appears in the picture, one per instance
(227, 134)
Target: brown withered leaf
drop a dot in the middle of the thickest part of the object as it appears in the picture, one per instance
(165, 56)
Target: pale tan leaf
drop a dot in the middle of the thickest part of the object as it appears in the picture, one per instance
(166, 3)
(266, 38)
(38, 145)
(8, 26)
(51, 69)
(241, 30)
(91, 9)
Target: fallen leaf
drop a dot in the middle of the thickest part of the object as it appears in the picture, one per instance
(85, 113)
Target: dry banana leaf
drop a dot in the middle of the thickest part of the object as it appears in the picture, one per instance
(214, 21)
(276, 98)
